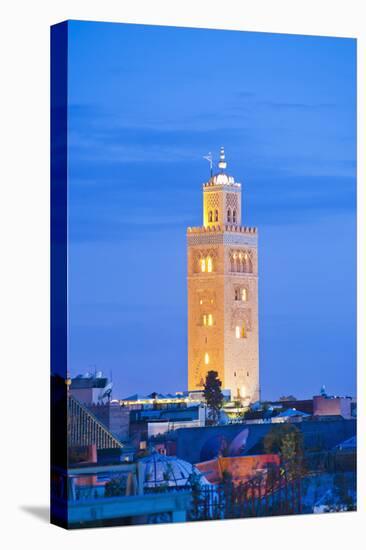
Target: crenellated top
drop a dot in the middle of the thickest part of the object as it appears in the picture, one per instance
(221, 229)
(222, 179)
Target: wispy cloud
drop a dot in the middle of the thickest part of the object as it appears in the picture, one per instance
(291, 105)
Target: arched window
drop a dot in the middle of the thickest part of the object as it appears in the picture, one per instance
(207, 320)
(229, 215)
(209, 264)
(210, 216)
(234, 216)
(249, 264)
(241, 294)
(232, 263)
(216, 215)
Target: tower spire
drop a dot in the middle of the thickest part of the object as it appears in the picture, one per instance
(222, 162)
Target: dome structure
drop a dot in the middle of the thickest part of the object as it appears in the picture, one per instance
(221, 178)
(160, 470)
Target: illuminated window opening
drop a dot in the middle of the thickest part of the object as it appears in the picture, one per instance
(203, 265)
(241, 294)
(207, 320)
(207, 358)
(240, 331)
(209, 264)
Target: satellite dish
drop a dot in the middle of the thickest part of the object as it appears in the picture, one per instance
(106, 391)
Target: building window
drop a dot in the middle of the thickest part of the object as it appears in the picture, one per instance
(209, 264)
(240, 331)
(229, 216)
(207, 320)
(205, 264)
(241, 294)
(216, 215)
(241, 261)
(207, 358)
(210, 216)
(234, 216)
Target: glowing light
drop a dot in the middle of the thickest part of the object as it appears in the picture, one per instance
(203, 265)
(210, 320)
(244, 294)
(205, 320)
(240, 331)
(207, 358)
(201, 302)
(209, 264)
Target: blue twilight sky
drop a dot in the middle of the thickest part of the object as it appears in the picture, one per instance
(145, 104)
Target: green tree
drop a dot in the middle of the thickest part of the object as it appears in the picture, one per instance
(287, 441)
(213, 395)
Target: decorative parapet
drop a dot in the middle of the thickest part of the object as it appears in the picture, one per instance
(221, 229)
(222, 181)
(227, 235)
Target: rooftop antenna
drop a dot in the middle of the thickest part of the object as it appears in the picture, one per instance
(210, 160)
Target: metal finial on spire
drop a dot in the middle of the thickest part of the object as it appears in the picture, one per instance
(222, 163)
(209, 158)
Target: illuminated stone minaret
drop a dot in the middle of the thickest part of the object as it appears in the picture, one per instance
(223, 292)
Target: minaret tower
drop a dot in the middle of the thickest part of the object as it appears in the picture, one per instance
(223, 292)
